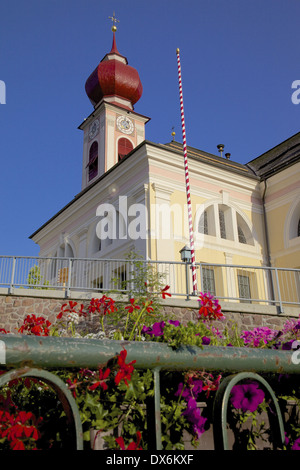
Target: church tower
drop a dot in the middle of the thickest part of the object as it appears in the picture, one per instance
(113, 129)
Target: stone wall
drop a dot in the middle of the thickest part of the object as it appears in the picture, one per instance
(13, 310)
(22, 302)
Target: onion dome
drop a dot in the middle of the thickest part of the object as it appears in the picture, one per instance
(114, 80)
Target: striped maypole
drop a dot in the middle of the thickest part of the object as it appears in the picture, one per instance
(187, 180)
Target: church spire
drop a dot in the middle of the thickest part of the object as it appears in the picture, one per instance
(114, 49)
(114, 29)
(113, 79)
(113, 130)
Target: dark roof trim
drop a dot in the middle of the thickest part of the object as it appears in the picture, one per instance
(213, 160)
(281, 156)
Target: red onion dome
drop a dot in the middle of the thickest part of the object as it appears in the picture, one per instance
(113, 77)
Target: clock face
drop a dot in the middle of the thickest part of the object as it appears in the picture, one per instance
(125, 124)
(94, 127)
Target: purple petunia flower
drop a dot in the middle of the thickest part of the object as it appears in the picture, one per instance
(197, 387)
(255, 336)
(296, 445)
(157, 328)
(191, 391)
(193, 415)
(192, 412)
(205, 340)
(286, 439)
(146, 329)
(247, 396)
(184, 392)
(291, 326)
(288, 345)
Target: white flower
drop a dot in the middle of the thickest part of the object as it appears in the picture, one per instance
(73, 317)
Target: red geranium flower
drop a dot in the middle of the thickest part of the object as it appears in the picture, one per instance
(73, 385)
(20, 429)
(103, 306)
(37, 326)
(132, 306)
(70, 308)
(125, 370)
(132, 445)
(149, 309)
(210, 307)
(164, 293)
(103, 376)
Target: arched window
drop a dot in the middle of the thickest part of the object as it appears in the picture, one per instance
(124, 147)
(299, 228)
(232, 225)
(93, 161)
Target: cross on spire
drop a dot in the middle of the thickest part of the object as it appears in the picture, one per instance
(114, 20)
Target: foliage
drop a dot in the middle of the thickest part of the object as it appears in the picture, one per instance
(35, 279)
(143, 280)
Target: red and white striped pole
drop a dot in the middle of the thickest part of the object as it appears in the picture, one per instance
(187, 180)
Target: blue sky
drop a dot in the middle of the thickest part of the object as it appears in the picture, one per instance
(238, 58)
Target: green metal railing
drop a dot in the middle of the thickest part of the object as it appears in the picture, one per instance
(32, 356)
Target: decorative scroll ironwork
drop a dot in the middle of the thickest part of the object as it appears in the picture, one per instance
(220, 409)
(63, 393)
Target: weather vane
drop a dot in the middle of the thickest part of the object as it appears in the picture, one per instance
(114, 20)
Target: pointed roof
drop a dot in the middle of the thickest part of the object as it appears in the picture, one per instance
(113, 78)
(114, 45)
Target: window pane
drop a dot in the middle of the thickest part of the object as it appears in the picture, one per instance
(203, 227)
(93, 161)
(124, 147)
(241, 235)
(208, 280)
(244, 287)
(222, 224)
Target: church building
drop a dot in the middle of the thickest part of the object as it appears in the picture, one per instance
(133, 192)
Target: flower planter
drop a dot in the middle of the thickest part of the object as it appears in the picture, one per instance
(97, 439)
(152, 391)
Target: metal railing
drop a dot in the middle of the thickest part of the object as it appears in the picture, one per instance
(44, 353)
(234, 283)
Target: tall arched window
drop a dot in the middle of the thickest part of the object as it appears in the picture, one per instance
(124, 147)
(222, 223)
(93, 161)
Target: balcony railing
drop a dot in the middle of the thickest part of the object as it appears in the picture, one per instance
(234, 283)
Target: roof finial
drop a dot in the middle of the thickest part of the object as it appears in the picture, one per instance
(114, 29)
(114, 20)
